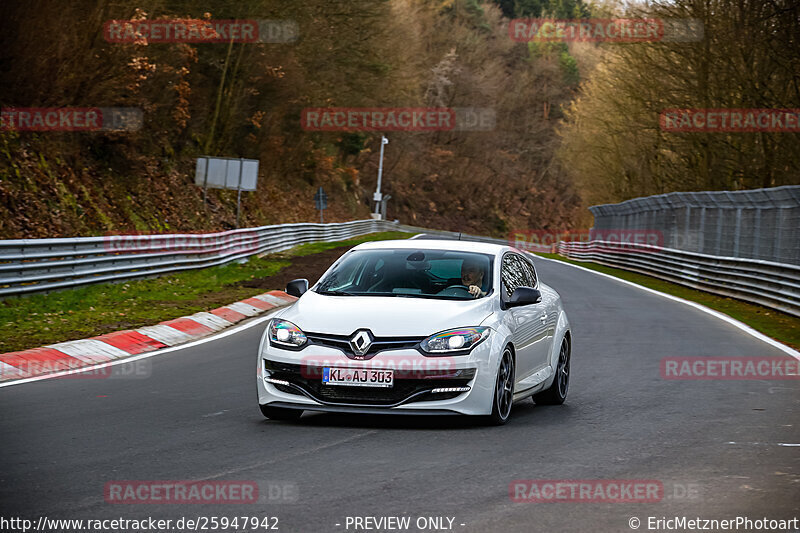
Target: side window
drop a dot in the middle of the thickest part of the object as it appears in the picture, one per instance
(515, 274)
(505, 277)
(531, 272)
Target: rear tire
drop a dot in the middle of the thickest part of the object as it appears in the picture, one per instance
(503, 390)
(557, 393)
(280, 413)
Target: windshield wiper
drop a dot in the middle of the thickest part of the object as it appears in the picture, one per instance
(413, 295)
(432, 296)
(335, 293)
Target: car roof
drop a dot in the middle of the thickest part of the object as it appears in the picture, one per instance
(433, 244)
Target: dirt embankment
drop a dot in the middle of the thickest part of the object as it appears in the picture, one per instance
(310, 267)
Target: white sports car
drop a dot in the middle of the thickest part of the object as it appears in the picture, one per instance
(417, 327)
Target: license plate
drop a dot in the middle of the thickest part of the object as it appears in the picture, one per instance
(355, 377)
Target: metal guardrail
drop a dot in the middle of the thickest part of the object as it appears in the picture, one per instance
(773, 285)
(33, 265)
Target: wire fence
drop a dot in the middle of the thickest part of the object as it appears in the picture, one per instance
(757, 224)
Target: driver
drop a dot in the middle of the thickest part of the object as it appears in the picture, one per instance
(472, 277)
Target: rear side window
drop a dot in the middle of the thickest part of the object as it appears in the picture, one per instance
(531, 272)
(516, 273)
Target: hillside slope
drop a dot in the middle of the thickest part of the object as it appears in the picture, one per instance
(246, 100)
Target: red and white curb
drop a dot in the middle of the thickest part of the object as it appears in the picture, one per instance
(73, 355)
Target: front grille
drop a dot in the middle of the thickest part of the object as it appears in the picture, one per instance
(380, 344)
(405, 390)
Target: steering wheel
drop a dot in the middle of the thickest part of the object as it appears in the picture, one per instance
(462, 287)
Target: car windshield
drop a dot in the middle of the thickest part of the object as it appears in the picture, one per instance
(439, 274)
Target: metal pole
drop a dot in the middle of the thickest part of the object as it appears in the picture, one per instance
(239, 195)
(380, 164)
(321, 218)
(205, 186)
(238, 207)
(384, 141)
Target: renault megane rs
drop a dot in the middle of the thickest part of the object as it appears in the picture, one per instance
(417, 327)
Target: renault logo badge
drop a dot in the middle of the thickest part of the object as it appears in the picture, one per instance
(361, 341)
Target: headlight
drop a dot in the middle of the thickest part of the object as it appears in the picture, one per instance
(455, 340)
(284, 333)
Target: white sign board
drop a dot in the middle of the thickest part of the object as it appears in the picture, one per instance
(226, 173)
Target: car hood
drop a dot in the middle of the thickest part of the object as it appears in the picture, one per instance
(384, 316)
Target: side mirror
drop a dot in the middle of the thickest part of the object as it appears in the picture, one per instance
(297, 287)
(524, 296)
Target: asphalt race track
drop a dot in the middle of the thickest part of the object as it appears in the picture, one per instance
(720, 448)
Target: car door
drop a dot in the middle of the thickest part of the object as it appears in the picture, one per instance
(525, 321)
(547, 317)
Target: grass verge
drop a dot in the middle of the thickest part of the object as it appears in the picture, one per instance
(40, 319)
(780, 326)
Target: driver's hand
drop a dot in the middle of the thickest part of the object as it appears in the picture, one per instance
(474, 290)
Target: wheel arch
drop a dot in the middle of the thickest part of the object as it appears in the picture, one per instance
(510, 344)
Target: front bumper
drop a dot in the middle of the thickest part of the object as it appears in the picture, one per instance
(293, 379)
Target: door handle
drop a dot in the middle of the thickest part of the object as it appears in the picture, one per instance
(543, 318)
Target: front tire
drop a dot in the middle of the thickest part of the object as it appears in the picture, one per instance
(280, 413)
(557, 393)
(503, 389)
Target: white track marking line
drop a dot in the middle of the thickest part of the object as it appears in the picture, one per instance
(725, 318)
(231, 331)
(785, 444)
